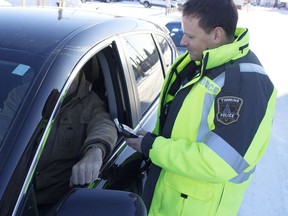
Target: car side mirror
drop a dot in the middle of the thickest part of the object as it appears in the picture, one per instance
(86, 202)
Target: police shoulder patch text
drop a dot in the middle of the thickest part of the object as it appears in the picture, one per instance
(228, 109)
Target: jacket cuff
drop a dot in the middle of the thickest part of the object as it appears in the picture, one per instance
(147, 143)
(95, 145)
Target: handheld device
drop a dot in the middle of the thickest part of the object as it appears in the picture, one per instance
(123, 129)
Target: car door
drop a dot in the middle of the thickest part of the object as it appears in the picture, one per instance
(145, 59)
(126, 90)
(101, 84)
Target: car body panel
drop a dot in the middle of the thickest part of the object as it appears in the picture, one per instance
(159, 3)
(56, 43)
(176, 33)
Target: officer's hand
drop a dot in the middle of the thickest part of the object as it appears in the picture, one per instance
(135, 143)
(87, 169)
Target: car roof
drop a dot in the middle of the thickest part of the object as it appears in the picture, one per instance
(178, 21)
(42, 30)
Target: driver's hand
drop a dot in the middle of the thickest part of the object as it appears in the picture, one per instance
(87, 169)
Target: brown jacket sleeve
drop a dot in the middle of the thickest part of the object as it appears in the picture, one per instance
(101, 131)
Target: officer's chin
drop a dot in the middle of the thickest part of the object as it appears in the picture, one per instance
(193, 57)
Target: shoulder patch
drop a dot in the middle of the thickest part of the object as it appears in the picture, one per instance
(228, 109)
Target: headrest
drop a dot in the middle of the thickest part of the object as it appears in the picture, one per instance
(91, 69)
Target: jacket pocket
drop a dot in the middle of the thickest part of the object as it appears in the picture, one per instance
(187, 196)
(71, 132)
(66, 138)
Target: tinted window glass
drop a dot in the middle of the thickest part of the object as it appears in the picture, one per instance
(15, 80)
(166, 51)
(147, 68)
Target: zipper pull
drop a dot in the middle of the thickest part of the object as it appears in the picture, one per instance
(166, 109)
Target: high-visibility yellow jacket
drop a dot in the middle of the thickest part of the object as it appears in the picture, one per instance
(211, 132)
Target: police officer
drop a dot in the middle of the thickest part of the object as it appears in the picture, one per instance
(214, 120)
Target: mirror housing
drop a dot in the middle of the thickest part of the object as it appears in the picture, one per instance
(86, 202)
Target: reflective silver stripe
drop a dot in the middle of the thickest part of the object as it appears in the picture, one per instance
(207, 104)
(203, 128)
(226, 152)
(230, 155)
(242, 177)
(220, 79)
(250, 67)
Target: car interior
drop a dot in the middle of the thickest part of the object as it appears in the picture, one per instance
(98, 70)
(119, 177)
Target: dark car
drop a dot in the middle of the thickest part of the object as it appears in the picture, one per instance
(41, 52)
(176, 33)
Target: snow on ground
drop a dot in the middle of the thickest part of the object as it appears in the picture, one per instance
(268, 192)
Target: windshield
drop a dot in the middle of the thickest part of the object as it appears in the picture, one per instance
(15, 79)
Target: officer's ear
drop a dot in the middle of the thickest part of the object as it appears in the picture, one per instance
(218, 36)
